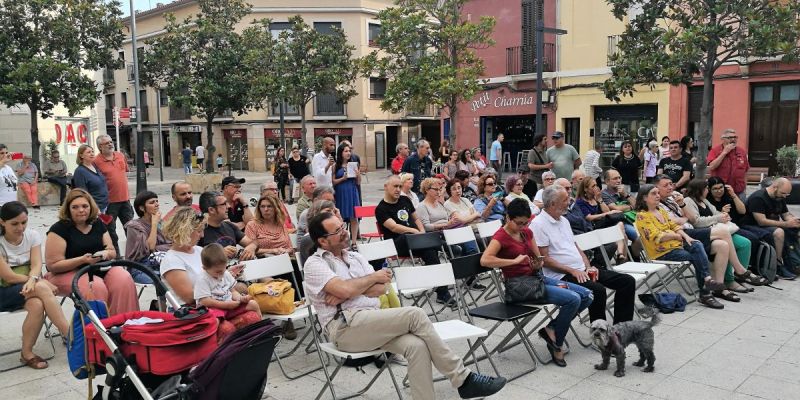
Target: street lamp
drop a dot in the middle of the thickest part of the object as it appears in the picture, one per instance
(141, 174)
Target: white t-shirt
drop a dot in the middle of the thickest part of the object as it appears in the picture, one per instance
(218, 289)
(189, 262)
(557, 236)
(20, 254)
(200, 152)
(8, 185)
(318, 167)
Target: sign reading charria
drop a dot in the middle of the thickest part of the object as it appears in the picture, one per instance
(486, 100)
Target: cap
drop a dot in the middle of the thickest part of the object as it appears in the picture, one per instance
(228, 180)
(557, 135)
(523, 169)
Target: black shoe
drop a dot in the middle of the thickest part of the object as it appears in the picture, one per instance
(709, 301)
(784, 273)
(478, 385)
(477, 286)
(446, 299)
(557, 361)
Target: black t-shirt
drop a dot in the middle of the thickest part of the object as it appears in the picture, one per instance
(79, 243)
(226, 234)
(628, 169)
(761, 202)
(675, 168)
(400, 212)
(725, 200)
(530, 189)
(298, 168)
(236, 213)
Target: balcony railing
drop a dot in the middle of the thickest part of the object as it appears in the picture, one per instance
(429, 110)
(522, 59)
(328, 104)
(108, 77)
(178, 114)
(225, 114)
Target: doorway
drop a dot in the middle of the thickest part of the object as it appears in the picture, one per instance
(518, 133)
(773, 121)
(167, 153)
(392, 139)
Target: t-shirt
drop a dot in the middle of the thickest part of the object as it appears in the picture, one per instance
(538, 158)
(298, 168)
(613, 197)
(510, 248)
(587, 208)
(218, 289)
(675, 168)
(16, 255)
(28, 173)
(727, 200)
(628, 169)
(563, 160)
(220, 161)
(496, 147)
(79, 243)
(8, 189)
(463, 208)
(226, 234)
(236, 213)
(400, 212)
(431, 215)
(58, 168)
(94, 183)
(650, 164)
(761, 202)
(557, 236)
(200, 151)
(187, 156)
(189, 262)
(114, 170)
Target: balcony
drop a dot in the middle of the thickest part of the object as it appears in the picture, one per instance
(522, 59)
(227, 114)
(329, 105)
(179, 114)
(130, 73)
(430, 111)
(108, 77)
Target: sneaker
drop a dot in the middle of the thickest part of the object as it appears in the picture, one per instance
(784, 273)
(446, 299)
(478, 385)
(396, 359)
(288, 331)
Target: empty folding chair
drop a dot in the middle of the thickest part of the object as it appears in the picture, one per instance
(385, 250)
(463, 237)
(273, 266)
(367, 213)
(422, 242)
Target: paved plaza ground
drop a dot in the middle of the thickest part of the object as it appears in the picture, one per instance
(749, 350)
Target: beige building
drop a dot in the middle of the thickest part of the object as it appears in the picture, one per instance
(249, 141)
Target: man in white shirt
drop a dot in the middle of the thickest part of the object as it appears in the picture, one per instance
(565, 261)
(200, 153)
(322, 163)
(344, 289)
(8, 178)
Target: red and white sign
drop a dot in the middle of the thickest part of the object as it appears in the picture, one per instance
(70, 135)
(333, 132)
(289, 133)
(234, 133)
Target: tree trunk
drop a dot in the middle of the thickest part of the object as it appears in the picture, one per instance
(211, 148)
(35, 143)
(453, 113)
(703, 139)
(303, 141)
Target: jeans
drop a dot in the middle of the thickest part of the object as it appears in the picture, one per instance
(61, 182)
(124, 212)
(571, 301)
(630, 231)
(623, 284)
(696, 254)
(187, 168)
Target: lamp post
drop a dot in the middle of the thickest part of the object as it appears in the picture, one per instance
(160, 138)
(141, 174)
(540, 31)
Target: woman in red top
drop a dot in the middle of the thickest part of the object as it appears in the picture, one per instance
(513, 249)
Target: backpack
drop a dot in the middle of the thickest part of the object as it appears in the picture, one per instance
(666, 302)
(76, 343)
(766, 261)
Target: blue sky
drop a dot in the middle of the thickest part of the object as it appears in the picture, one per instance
(140, 5)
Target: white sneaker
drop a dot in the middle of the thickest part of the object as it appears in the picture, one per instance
(397, 359)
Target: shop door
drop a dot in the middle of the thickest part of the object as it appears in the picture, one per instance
(392, 138)
(773, 121)
(380, 150)
(167, 151)
(237, 153)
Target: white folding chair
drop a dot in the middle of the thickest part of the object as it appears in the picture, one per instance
(273, 266)
(488, 229)
(293, 239)
(385, 249)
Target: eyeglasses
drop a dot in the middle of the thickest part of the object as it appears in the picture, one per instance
(520, 223)
(225, 204)
(718, 188)
(489, 183)
(107, 143)
(567, 187)
(730, 137)
(435, 188)
(549, 179)
(271, 189)
(338, 231)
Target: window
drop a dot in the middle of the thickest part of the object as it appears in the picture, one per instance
(326, 28)
(122, 56)
(790, 92)
(110, 103)
(613, 49)
(288, 109)
(163, 97)
(329, 104)
(123, 100)
(377, 88)
(277, 27)
(762, 94)
(373, 31)
(142, 98)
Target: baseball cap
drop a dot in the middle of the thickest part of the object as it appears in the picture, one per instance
(229, 180)
(557, 135)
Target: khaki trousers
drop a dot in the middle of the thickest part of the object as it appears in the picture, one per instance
(406, 331)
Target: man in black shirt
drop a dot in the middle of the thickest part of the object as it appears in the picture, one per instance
(419, 164)
(766, 209)
(528, 185)
(218, 230)
(396, 218)
(238, 209)
(676, 166)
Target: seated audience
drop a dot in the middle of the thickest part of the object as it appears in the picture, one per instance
(307, 186)
(459, 206)
(79, 239)
(146, 243)
(183, 197)
(514, 183)
(219, 230)
(238, 209)
(480, 160)
(664, 239)
(181, 266)
(28, 180)
(21, 286)
(590, 202)
(529, 186)
(342, 283)
(266, 229)
(489, 202)
(467, 187)
(407, 181)
(548, 177)
(436, 217)
(271, 189)
(565, 261)
(513, 249)
(55, 171)
(320, 193)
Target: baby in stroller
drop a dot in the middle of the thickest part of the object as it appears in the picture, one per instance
(214, 289)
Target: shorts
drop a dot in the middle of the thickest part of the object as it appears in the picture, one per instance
(10, 298)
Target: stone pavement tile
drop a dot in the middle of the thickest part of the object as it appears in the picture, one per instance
(761, 333)
(775, 324)
(794, 341)
(715, 321)
(730, 358)
(596, 390)
(549, 379)
(681, 389)
(634, 379)
(677, 318)
(35, 389)
(769, 388)
(723, 378)
(787, 353)
(780, 370)
(751, 347)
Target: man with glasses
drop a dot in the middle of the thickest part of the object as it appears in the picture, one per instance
(344, 289)
(766, 208)
(8, 186)
(238, 210)
(114, 167)
(218, 230)
(729, 162)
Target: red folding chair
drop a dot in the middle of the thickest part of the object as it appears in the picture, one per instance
(368, 212)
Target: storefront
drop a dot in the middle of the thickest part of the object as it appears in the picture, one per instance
(614, 125)
(236, 147)
(338, 134)
(272, 140)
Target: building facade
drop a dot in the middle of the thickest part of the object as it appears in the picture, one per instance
(249, 141)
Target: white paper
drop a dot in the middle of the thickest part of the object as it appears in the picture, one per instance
(352, 169)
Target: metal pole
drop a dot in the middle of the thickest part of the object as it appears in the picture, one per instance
(160, 138)
(539, 50)
(141, 175)
(283, 134)
(116, 124)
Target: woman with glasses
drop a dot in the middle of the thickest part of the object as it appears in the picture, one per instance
(513, 249)
(431, 211)
(78, 239)
(548, 177)
(590, 202)
(181, 265)
(490, 201)
(514, 184)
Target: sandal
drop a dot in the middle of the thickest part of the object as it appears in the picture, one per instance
(750, 279)
(741, 289)
(710, 302)
(34, 362)
(726, 295)
(620, 259)
(713, 285)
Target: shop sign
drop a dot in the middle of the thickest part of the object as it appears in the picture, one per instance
(275, 133)
(188, 128)
(234, 133)
(333, 132)
(67, 134)
(486, 100)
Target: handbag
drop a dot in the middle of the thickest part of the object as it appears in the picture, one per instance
(526, 288)
(732, 227)
(296, 191)
(273, 297)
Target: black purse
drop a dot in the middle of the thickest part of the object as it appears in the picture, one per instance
(526, 288)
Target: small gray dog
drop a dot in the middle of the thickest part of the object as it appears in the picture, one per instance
(613, 339)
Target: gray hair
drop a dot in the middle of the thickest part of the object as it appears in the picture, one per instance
(399, 146)
(317, 207)
(550, 194)
(101, 137)
(422, 142)
(263, 186)
(320, 190)
(306, 179)
(548, 174)
(577, 172)
(561, 182)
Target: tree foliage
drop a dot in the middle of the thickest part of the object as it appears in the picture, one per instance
(676, 41)
(427, 53)
(48, 47)
(199, 63)
(299, 64)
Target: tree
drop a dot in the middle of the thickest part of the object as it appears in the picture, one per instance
(676, 41)
(300, 64)
(46, 47)
(199, 63)
(427, 54)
